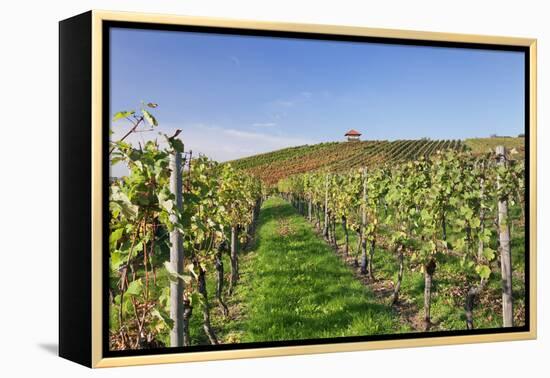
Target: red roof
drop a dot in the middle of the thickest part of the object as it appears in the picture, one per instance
(353, 132)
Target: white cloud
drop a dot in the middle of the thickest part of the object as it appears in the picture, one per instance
(297, 99)
(264, 124)
(223, 144)
(284, 103)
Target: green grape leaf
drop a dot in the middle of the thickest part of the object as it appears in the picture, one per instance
(489, 253)
(152, 121)
(173, 275)
(115, 235)
(123, 114)
(163, 316)
(483, 271)
(135, 288)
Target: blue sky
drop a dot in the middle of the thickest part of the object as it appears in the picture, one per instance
(235, 96)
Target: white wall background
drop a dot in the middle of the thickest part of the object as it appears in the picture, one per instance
(28, 185)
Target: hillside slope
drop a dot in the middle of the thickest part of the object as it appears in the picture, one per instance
(338, 156)
(482, 145)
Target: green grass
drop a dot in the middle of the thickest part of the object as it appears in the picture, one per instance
(294, 287)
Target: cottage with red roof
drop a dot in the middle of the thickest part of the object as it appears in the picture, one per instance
(353, 135)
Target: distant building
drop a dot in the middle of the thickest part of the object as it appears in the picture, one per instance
(353, 135)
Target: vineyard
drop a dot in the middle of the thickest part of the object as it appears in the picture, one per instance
(450, 213)
(338, 156)
(328, 240)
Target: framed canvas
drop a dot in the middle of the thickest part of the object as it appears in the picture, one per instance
(234, 189)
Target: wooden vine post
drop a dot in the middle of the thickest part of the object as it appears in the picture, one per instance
(176, 254)
(364, 262)
(309, 206)
(481, 245)
(505, 251)
(326, 225)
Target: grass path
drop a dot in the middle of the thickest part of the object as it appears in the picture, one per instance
(293, 286)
